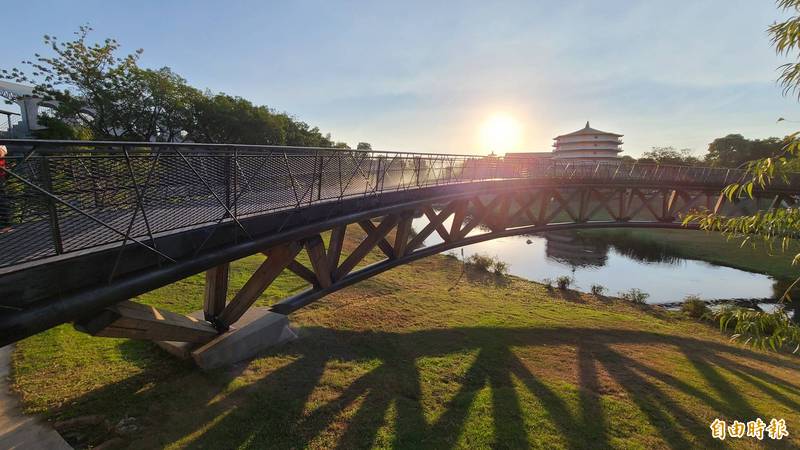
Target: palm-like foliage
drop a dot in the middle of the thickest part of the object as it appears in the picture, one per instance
(781, 226)
(767, 331)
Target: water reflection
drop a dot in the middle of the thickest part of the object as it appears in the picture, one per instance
(618, 264)
(567, 248)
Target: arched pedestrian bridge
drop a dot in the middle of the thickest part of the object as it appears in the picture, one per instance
(98, 223)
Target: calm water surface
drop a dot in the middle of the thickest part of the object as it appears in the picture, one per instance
(665, 277)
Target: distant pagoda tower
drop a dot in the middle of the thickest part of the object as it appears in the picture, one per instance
(587, 143)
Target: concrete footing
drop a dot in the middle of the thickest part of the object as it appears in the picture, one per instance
(257, 330)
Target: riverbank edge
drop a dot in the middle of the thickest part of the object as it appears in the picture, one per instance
(687, 242)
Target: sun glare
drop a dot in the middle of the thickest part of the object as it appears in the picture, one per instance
(500, 133)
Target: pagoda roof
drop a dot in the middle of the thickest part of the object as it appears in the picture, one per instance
(586, 149)
(605, 140)
(587, 130)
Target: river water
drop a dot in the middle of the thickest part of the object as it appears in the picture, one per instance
(618, 266)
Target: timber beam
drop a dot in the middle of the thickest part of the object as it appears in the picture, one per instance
(402, 234)
(315, 248)
(216, 291)
(137, 321)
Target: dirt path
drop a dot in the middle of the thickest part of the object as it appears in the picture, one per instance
(18, 431)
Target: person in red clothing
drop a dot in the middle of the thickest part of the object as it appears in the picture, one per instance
(5, 204)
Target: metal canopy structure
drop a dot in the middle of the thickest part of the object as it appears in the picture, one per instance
(25, 97)
(7, 125)
(98, 223)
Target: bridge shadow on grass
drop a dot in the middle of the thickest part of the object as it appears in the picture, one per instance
(470, 387)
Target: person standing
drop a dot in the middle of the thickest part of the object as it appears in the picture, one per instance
(5, 202)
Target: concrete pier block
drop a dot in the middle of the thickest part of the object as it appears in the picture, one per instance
(257, 330)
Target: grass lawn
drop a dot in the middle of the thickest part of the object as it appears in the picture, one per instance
(412, 359)
(710, 247)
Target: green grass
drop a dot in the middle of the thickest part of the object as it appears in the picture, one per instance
(411, 359)
(711, 247)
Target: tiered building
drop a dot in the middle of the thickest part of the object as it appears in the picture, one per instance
(587, 143)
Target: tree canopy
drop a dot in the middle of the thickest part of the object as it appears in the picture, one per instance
(735, 150)
(668, 155)
(101, 95)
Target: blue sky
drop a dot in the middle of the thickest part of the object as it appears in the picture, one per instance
(425, 75)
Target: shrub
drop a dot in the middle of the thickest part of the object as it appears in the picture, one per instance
(767, 331)
(480, 262)
(488, 264)
(693, 306)
(564, 281)
(597, 290)
(548, 283)
(500, 268)
(635, 295)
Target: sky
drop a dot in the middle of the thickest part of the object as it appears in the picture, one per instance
(427, 76)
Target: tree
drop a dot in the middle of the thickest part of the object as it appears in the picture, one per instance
(668, 155)
(110, 96)
(100, 95)
(780, 225)
(299, 133)
(166, 105)
(364, 146)
(735, 150)
(223, 118)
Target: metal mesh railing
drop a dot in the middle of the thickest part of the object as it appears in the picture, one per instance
(59, 197)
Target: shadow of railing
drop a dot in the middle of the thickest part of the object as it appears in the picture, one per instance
(281, 406)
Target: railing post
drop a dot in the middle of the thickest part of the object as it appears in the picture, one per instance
(94, 175)
(378, 178)
(235, 208)
(369, 174)
(417, 160)
(52, 212)
(319, 175)
(226, 178)
(313, 181)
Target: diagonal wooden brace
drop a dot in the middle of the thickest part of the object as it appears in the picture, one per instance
(279, 258)
(315, 248)
(366, 245)
(383, 244)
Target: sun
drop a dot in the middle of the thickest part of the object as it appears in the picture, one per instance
(500, 133)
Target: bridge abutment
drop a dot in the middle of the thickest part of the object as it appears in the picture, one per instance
(257, 330)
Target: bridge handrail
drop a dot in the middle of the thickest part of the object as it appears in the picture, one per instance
(68, 196)
(116, 146)
(66, 146)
